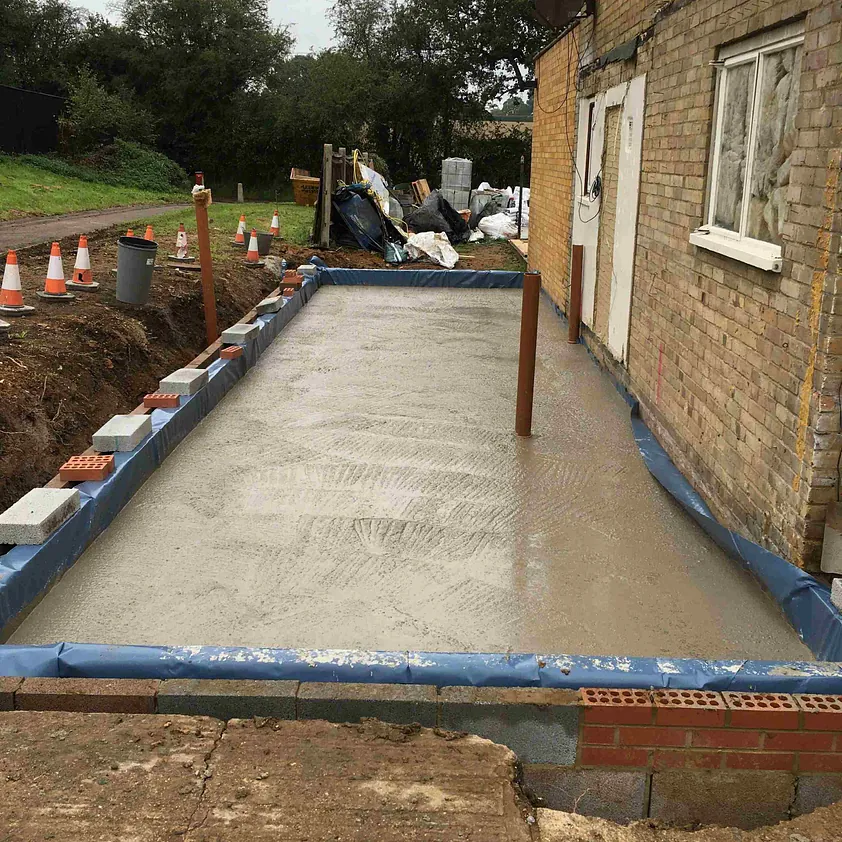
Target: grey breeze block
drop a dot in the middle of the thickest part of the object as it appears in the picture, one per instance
(228, 699)
(240, 334)
(338, 702)
(184, 381)
(270, 305)
(122, 433)
(37, 515)
(836, 593)
(540, 725)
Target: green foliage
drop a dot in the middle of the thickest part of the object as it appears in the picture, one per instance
(120, 163)
(94, 116)
(496, 150)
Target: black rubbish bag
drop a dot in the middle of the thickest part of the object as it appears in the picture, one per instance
(436, 214)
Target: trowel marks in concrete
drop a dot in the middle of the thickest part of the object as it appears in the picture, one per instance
(362, 488)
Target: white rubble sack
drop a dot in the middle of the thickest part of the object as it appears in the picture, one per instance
(499, 226)
(475, 236)
(435, 246)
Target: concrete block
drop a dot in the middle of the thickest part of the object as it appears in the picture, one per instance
(88, 695)
(240, 334)
(337, 702)
(270, 305)
(8, 686)
(814, 791)
(185, 381)
(37, 515)
(539, 725)
(228, 699)
(122, 433)
(733, 799)
(836, 593)
(604, 793)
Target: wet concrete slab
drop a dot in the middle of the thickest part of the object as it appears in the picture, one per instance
(362, 487)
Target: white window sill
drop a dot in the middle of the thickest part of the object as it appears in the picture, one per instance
(753, 252)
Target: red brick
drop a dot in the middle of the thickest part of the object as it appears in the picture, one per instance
(288, 292)
(231, 352)
(600, 735)
(725, 738)
(821, 713)
(88, 695)
(652, 737)
(820, 762)
(617, 707)
(693, 708)
(759, 760)
(688, 759)
(86, 468)
(773, 711)
(789, 741)
(161, 400)
(592, 756)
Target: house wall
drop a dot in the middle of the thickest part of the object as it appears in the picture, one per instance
(738, 370)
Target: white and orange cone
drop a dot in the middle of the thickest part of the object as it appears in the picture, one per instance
(150, 234)
(82, 274)
(240, 236)
(275, 228)
(54, 287)
(11, 296)
(253, 256)
(181, 248)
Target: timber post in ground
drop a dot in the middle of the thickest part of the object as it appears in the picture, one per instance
(526, 357)
(201, 200)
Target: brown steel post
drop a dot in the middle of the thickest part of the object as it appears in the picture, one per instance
(574, 304)
(201, 200)
(526, 357)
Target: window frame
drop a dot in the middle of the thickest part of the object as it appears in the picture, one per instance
(710, 236)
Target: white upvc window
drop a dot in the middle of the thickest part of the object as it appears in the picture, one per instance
(754, 136)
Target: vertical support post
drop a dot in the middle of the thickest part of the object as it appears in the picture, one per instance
(520, 198)
(343, 164)
(201, 200)
(526, 357)
(240, 196)
(574, 300)
(327, 192)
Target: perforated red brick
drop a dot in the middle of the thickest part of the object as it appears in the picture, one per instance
(288, 292)
(86, 468)
(231, 352)
(821, 713)
(617, 707)
(694, 708)
(763, 710)
(161, 400)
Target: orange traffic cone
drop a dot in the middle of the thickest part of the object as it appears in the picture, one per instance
(11, 297)
(252, 256)
(240, 236)
(130, 233)
(150, 234)
(181, 245)
(275, 228)
(54, 287)
(82, 274)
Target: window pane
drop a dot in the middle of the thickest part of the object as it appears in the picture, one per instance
(779, 84)
(733, 145)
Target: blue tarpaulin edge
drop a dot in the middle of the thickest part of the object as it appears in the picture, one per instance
(101, 502)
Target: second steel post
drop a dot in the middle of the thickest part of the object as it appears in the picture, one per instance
(526, 356)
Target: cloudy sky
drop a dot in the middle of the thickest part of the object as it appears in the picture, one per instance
(307, 19)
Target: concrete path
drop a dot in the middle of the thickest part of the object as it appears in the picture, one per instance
(73, 776)
(362, 488)
(16, 233)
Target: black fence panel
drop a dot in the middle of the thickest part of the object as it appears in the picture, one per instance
(30, 121)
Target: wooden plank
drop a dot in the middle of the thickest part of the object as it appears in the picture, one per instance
(327, 193)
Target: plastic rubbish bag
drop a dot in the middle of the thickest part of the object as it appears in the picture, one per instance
(499, 226)
(434, 246)
(475, 236)
(395, 253)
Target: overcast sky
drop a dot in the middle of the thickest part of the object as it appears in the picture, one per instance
(307, 19)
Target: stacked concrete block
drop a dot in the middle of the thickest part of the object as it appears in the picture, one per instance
(122, 433)
(185, 381)
(456, 181)
(270, 305)
(240, 334)
(402, 703)
(226, 699)
(37, 515)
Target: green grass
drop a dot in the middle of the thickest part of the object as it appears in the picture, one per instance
(26, 190)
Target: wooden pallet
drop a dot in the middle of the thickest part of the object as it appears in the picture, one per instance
(420, 190)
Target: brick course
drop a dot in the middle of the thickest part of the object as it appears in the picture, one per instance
(738, 370)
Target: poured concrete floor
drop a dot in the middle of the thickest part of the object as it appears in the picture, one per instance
(362, 488)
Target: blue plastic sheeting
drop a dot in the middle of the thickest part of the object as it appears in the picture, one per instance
(462, 278)
(805, 601)
(82, 660)
(27, 571)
